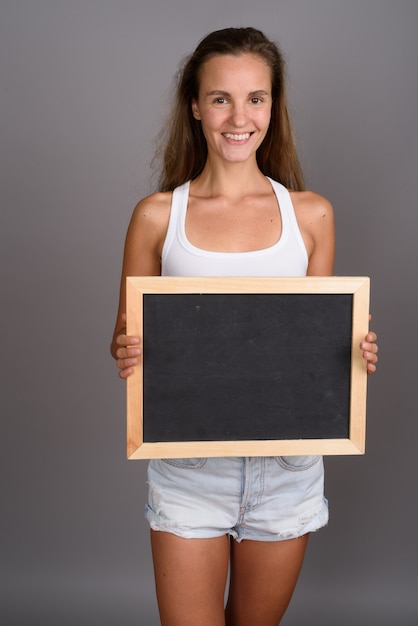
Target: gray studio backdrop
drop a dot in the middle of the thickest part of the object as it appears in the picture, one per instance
(84, 89)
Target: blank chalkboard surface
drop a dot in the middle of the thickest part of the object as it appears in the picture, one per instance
(247, 366)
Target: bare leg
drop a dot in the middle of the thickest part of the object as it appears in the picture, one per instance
(263, 578)
(190, 579)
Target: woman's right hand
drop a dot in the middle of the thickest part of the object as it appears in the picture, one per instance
(125, 349)
(127, 354)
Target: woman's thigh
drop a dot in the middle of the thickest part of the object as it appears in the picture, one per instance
(190, 578)
(263, 578)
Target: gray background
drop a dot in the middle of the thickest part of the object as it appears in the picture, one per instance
(84, 89)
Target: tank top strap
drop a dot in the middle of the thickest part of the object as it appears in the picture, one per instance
(287, 211)
(179, 201)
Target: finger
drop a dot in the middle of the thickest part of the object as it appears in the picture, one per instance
(126, 373)
(371, 357)
(371, 368)
(368, 346)
(126, 340)
(126, 353)
(126, 366)
(124, 363)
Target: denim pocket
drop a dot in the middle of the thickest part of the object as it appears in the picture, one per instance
(192, 463)
(297, 463)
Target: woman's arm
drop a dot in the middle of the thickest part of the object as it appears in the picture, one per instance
(142, 257)
(316, 222)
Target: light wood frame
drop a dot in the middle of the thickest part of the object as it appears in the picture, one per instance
(359, 287)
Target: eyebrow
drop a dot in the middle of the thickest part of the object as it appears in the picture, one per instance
(252, 94)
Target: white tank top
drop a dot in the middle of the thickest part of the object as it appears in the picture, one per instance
(287, 257)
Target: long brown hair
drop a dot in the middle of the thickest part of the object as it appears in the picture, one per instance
(184, 150)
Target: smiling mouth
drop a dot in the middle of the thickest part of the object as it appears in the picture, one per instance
(237, 137)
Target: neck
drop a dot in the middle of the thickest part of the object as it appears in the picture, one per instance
(229, 179)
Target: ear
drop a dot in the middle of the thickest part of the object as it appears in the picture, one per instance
(195, 110)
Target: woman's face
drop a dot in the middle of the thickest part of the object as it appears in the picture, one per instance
(234, 105)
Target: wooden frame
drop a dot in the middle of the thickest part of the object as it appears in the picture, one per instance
(138, 289)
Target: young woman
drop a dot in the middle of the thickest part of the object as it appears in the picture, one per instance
(231, 203)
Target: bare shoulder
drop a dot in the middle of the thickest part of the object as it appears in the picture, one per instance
(315, 217)
(148, 227)
(153, 211)
(311, 207)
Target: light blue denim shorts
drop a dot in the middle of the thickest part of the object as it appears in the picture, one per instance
(259, 498)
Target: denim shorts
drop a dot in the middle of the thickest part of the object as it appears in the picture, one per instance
(259, 498)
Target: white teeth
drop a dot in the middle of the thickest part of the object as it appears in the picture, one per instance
(237, 137)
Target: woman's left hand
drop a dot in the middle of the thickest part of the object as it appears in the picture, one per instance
(370, 349)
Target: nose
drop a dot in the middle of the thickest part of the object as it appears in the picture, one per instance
(238, 115)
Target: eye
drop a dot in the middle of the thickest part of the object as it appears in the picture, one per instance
(256, 100)
(220, 100)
